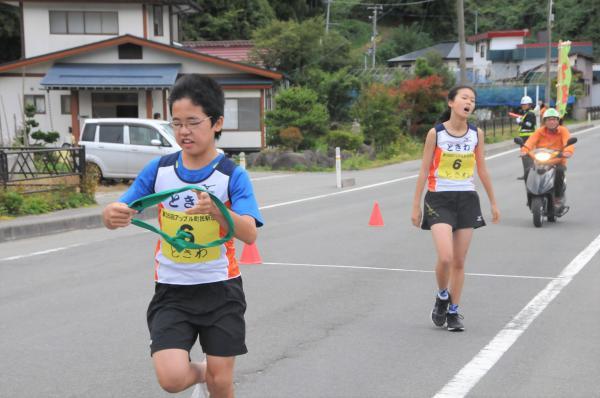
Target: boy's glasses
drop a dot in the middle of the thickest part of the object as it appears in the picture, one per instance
(191, 125)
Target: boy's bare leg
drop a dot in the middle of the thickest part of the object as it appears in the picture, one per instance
(219, 376)
(175, 372)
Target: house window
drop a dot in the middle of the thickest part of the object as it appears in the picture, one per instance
(231, 115)
(39, 101)
(75, 22)
(65, 104)
(242, 114)
(93, 22)
(84, 22)
(130, 51)
(158, 20)
(482, 50)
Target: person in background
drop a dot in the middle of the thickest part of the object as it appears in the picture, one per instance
(553, 136)
(527, 124)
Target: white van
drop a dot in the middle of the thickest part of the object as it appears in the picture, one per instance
(120, 148)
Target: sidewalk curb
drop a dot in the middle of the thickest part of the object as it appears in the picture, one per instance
(33, 228)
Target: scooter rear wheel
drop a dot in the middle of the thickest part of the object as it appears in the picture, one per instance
(537, 208)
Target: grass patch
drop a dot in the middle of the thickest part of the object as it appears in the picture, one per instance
(14, 204)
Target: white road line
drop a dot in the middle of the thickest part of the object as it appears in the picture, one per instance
(271, 177)
(291, 202)
(472, 372)
(56, 249)
(403, 270)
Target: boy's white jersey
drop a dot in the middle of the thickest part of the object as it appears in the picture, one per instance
(193, 266)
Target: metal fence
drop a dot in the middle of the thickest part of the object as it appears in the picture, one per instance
(498, 126)
(594, 112)
(41, 169)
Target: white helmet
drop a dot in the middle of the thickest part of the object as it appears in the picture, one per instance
(526, 100)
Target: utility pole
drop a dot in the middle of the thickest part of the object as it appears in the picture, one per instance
(374, 34)
(548, 53)
(476, 13)
(461, 40)
(327, 19)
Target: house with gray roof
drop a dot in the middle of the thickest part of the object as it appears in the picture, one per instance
(449, 51)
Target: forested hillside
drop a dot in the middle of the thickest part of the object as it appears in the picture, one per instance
(418, 25)
(402, 27)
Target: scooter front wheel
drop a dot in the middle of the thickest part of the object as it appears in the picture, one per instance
(537, 208)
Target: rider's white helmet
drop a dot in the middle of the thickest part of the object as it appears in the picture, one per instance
(526, 100)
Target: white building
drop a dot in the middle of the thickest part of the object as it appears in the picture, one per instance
(503, 57)
(116, 58)
(486, 68)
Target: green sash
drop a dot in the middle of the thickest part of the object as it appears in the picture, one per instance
(179, 241)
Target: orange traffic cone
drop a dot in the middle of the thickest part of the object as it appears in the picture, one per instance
(250, 255)
(376, 219)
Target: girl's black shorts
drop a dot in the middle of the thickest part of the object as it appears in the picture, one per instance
(460, 209)
(211, 312)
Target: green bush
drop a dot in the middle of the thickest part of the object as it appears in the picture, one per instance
(35, 205)
(14, 204)
(11, 202)
(298, 107)
(291, 137)
(344, 139)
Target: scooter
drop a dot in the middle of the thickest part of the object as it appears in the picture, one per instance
(540, 185)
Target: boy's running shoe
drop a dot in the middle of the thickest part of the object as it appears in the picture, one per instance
(440, 308)
(453, 322)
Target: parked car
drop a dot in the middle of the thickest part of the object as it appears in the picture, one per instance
(120, 148)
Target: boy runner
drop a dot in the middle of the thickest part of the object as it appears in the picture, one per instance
(198, 293)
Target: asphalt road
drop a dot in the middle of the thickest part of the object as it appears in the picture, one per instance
(338, 309)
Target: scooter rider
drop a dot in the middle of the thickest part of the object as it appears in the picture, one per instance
(527, 125)
(552, 136)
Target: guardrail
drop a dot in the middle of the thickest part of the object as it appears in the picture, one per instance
(41, 169)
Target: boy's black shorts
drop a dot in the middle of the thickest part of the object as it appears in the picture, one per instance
(212, 312)
(460, 209)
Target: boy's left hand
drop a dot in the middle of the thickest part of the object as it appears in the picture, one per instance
(204, 205)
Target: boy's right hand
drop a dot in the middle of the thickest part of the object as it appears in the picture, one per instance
(117, 215)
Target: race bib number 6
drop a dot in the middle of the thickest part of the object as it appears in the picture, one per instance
(202, 228)
(456, 166)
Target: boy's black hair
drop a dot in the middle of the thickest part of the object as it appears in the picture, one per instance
(203, 91)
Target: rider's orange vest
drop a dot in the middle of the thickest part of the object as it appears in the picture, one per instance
(543, 138)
